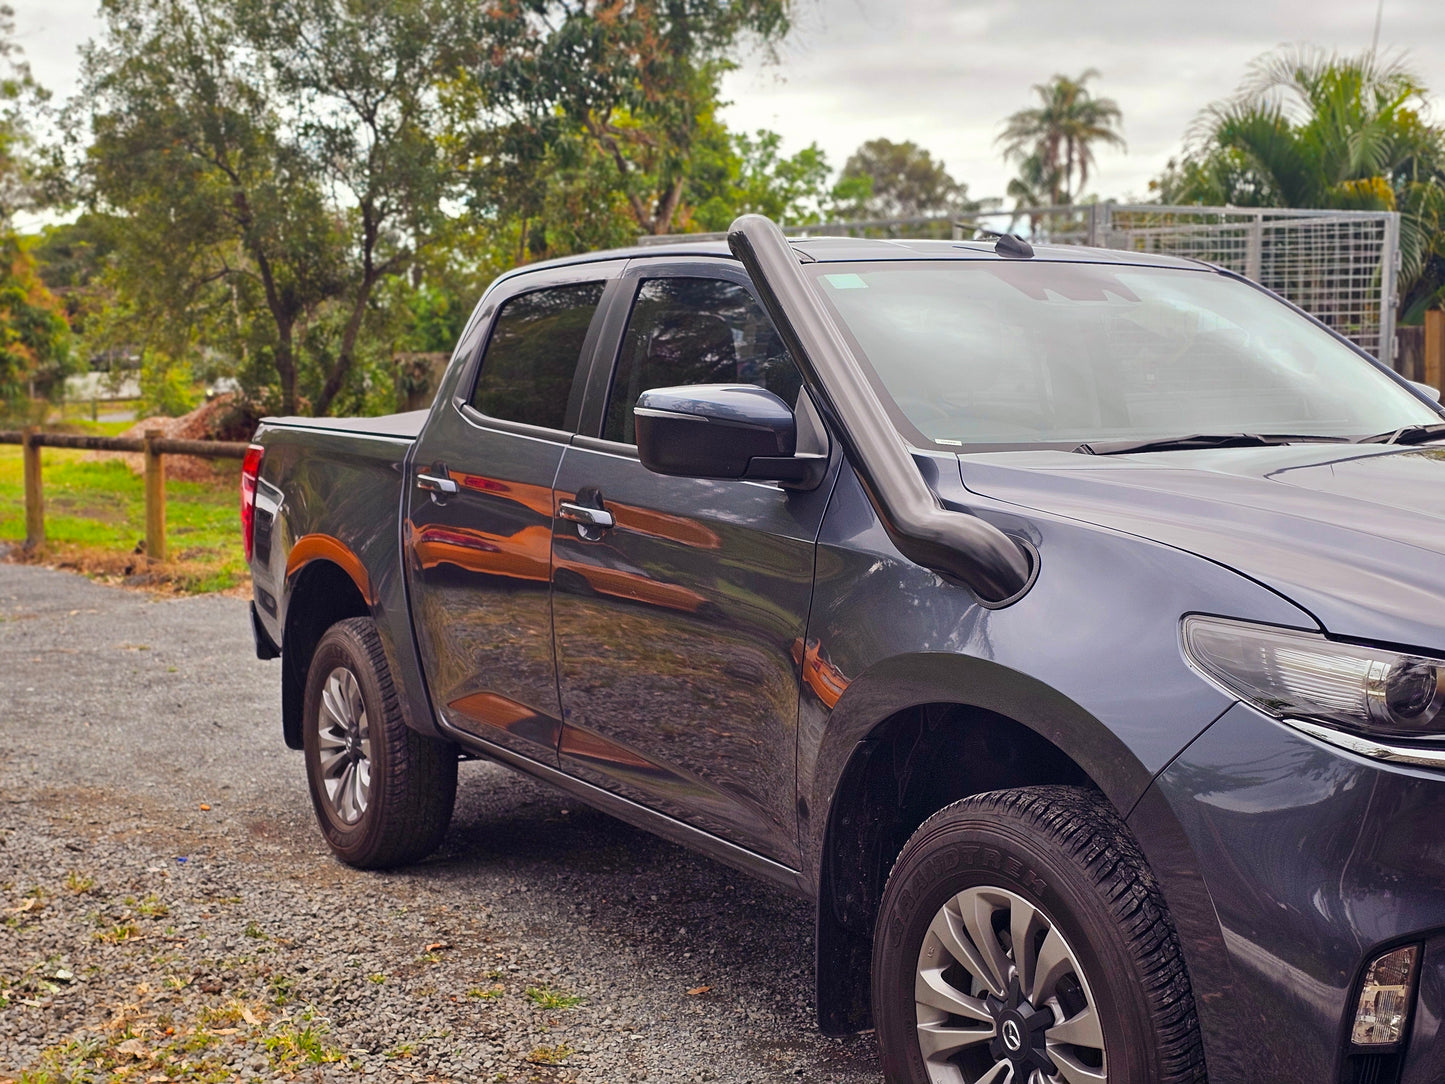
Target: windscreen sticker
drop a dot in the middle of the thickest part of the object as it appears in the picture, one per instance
(846, 282)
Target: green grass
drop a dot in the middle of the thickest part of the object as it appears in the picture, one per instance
(290, 1048)
(95, 517)
(546, 998)
(550, 1055)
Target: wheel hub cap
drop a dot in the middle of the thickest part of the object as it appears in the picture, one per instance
(1020, 1030)
(1001, 998)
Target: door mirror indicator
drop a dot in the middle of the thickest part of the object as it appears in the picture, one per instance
(722, 431)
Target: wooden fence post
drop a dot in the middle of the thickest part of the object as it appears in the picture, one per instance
(155, 477)
(34, 494)
(1434, 347)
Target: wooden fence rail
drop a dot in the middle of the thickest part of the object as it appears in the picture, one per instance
(154, 446)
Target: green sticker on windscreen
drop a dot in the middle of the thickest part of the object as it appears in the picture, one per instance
(846, 282)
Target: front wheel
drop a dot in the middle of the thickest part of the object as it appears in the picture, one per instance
(1022, 940)
(383, 793)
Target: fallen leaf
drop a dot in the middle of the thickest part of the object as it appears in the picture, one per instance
(698, 990)
(225, 1031)
(136, 1048)
(205, 808)
(250, 1017)
(437, 945)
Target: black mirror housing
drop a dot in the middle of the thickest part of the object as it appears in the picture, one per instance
(718, 431)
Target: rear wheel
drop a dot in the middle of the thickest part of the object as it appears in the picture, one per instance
(383, 793)
(1022, 940)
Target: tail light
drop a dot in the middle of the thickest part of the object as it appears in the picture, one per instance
(250, 471)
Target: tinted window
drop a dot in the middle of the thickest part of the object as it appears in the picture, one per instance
(695, 331)
(532, 354)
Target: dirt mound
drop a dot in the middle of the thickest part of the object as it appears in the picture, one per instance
(209, 421)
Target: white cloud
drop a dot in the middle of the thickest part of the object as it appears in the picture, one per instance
(946, 72)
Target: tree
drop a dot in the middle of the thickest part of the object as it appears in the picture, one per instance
(274, 161)
(1309, 128)
(632, 83)
(20, 99)
(1034, 187)
(1057, 138)
(751, 176)
(883, 179)
(72, 260)
(35, 351)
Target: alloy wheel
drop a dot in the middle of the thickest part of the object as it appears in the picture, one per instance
(344, 746)
(1001, 997)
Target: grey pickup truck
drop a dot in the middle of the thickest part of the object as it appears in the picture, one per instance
(1069, 624)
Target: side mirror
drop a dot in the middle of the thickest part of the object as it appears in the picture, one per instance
(722, 431)
(1428, 390)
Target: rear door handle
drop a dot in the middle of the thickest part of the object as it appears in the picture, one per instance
(433, 484)
(598, 518)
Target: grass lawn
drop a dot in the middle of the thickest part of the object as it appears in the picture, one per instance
(95, 519)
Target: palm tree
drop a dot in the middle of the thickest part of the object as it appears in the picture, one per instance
(1309, 128)
(1054, 140)
(1033, 188)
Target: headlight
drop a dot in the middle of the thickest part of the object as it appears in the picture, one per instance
(1302, 676)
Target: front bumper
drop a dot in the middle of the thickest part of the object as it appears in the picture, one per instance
(1314, 861)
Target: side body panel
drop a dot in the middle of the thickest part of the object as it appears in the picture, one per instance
(679, 639)
(478, 561)
(679, 630)
(478, 567)
(324, 494)
(1096, 638)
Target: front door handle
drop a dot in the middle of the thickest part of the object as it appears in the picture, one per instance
(433, 484)
(596, 518)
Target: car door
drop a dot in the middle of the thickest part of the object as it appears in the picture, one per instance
(679, 627)
(478, 533)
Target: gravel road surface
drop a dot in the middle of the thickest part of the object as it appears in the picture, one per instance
(168, 910)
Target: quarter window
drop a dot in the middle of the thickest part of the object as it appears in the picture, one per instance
(532, 354)
(695, 331)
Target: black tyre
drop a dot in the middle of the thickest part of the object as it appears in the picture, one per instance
(383, 793)
(1022, 939)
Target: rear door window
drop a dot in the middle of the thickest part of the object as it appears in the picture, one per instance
(695, 331)
(532, 354)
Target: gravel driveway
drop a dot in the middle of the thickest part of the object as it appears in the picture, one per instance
(168, 910)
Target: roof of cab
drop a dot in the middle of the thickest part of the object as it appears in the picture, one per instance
(850, 249)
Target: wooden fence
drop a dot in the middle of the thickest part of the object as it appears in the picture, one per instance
(154, 446)
(1420, 353)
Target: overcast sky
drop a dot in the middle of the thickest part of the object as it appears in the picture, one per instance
(945, 73)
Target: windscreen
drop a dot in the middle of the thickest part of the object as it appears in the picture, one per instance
(1032, 352)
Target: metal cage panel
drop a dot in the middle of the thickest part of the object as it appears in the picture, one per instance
(1339, 266)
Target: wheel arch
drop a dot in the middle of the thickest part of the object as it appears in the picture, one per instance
(321, 590)
(906, 738)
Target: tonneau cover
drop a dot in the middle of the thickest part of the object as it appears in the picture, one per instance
(401, 426)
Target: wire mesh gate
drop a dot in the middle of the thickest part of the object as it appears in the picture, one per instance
(1339, 266)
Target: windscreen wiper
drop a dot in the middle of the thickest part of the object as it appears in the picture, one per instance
(1408, 434)
(1200, 440)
